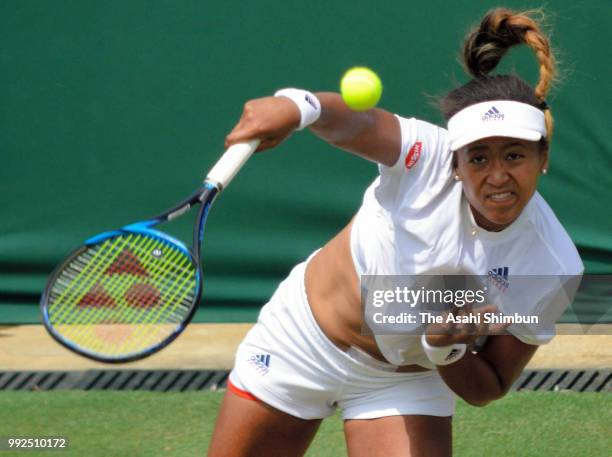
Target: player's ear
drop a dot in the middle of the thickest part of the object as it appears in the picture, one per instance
(543, 157)
(456, 172)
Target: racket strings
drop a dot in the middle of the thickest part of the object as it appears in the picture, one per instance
(134, 317)
(105, 287)
(123, 295)
(87, 268)
(85, 281)
(97, 294)
(80, 274)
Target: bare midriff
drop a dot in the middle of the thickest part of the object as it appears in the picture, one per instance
(332, 287)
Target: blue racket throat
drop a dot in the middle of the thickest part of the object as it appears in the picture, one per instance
(208, 198)
(205, 196)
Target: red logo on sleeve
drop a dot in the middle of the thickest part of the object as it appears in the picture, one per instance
(413, 155)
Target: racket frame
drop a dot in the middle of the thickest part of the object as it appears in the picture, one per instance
(204, 197)
(217, 179)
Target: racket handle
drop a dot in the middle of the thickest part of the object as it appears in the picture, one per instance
(230, 162)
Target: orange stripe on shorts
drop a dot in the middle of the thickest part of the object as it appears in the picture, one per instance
(240, 392)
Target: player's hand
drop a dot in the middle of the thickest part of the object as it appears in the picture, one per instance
(449, 333)
(271, 119)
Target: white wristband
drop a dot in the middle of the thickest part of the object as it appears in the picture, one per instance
(442, 355)
(307, 103)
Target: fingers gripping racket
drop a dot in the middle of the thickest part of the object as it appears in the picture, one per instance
(128, 293)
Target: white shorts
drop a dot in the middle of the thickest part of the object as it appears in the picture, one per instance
(287, 362)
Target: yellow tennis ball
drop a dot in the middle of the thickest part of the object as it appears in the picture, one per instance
(360, 88)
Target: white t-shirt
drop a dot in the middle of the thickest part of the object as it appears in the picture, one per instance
(415, 220)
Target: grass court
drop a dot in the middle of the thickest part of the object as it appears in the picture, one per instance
(150, 424)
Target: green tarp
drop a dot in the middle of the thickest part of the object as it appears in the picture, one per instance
(112, 111)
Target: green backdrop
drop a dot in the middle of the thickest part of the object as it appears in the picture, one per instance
(111, 111)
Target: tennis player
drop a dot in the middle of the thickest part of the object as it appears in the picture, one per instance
(456, 199)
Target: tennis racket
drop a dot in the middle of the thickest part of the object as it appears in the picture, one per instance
(127, 293)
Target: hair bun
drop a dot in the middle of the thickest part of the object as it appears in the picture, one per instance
(486, 45)
(498, 31)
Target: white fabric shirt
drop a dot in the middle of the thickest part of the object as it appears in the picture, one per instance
(415, 220)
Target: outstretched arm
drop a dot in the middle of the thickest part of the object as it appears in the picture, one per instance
(373, 134)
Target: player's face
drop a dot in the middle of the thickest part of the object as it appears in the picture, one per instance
(499, 178)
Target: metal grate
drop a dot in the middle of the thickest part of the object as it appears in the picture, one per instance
(190, 380)
(574, 380)
(152, 380)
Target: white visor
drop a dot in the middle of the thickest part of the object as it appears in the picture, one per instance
(496, 118)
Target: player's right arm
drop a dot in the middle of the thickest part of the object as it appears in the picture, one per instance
(373, 134)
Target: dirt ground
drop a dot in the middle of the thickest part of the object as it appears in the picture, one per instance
(212, 346)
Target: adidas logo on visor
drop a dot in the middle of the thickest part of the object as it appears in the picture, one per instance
(493, 114)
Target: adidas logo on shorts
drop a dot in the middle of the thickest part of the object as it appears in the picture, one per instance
(261, 362)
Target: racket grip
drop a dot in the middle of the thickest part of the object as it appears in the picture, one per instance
(230, 162)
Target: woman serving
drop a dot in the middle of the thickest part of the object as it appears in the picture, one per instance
(446, 200)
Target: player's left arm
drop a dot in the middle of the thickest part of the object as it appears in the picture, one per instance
(488, 375)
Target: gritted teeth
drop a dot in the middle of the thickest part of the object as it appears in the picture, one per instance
(500, 195)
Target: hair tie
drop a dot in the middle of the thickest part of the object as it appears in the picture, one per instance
(544, 106)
